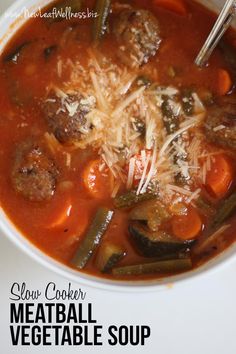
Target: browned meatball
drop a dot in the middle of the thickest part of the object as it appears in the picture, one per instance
(66, 115)
(139, 36)
(34, 173)
(220, 124)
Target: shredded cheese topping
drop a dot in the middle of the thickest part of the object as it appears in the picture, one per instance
(128, 128)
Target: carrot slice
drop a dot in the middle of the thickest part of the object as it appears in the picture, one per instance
(188, 226)
(96, 181)
(176, 6)
(224, 82)
(220, 177)
(81, 214)
(62, 215)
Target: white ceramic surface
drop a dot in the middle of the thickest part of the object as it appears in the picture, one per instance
(6, 31)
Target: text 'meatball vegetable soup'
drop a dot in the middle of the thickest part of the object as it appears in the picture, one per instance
(117, 151)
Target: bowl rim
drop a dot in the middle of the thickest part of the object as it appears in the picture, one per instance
(11, 232)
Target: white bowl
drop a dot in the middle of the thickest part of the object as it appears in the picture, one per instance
(8, 27)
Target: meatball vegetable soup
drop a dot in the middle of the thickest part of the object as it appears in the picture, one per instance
(117, 151)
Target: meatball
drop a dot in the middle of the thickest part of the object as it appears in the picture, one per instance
(220, 124)
(34, 173)
(138, 33)
(66, 115)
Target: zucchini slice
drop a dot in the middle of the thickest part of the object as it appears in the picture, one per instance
(93, 237)
(155, 244)
(153, 212)
(108, 256)
(170, 266)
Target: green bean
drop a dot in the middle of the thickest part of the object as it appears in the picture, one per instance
(205, 207)
(130, 198)
(102, 8)
(175, 265)
(225, 211)
(211, 238)
(93, 237)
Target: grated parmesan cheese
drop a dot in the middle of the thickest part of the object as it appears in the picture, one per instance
(219, 127)
(131, 173)
(117, 106)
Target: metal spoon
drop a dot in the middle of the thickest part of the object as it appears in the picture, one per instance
(223, 22)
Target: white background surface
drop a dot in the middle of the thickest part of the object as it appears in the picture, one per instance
(192, 318)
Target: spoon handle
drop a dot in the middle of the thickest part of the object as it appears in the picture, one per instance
(223, 22)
